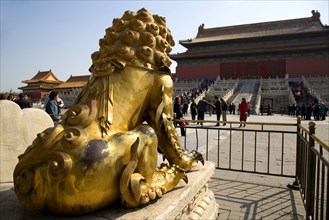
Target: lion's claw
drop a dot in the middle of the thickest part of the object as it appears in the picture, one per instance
(197, 156)
(188, 158)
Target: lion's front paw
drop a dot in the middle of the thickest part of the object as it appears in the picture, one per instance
(188, 158)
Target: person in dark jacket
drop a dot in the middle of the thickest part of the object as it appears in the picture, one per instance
(218, 109)
(193, 109)
(269, 109)
(202, 108)
(224, 109)
(261, 109)
(179, 114)
(22, 101)
(309, 111)
(316, 111)
(52, 107)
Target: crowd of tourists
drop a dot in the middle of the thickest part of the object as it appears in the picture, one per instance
(53, 105)
(306, 111)
(187, 96)
(312, 108)
(198, 111)
(221, 109)
(298, 90)
(20, 99)
(265, 109)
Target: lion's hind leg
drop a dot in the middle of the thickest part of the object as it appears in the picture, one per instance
(141, 181)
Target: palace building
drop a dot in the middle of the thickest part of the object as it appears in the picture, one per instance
(40, 85)
(70, 89)
(287, 48)
(44, 82)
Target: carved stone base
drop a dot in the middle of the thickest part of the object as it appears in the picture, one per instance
(187, 201)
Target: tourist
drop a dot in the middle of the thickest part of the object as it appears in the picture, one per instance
(60, 104)
(303, 111)
(289, 109)
(28, 100)
(309, 111)
(193, 109)
(202, 108)
(233, 108)
(316, 111)
(298, 110)
(269, 109)
(261, 109)
(224, 109)
(218, 109)
(209, 110)
(3, 96)
(249, 108)
(12, 97)
(321, 111)
(179, 114)
(52, 107)
(293, 110)
(185, 108)
(23, 101)
(325, 110)
(243, 109)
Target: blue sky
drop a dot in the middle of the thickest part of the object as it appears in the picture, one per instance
(61, 35)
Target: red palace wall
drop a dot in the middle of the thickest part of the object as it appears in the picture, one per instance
(252, 70)
(35, 95)
(242, 70)
(209, 71)
(255, 69)
(307, 67)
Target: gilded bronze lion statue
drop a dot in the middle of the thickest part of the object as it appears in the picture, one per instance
(105, 147)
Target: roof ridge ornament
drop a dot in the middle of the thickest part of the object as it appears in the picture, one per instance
(200, 30)
(201, 27)
(315, 15)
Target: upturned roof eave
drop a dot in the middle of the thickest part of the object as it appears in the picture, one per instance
(70, 86)
(184, 56)
(35, 87)
(41, 81)
(187, 43)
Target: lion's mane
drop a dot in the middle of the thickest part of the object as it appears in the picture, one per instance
(139, 39)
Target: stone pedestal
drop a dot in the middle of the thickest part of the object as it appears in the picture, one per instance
(187, 201)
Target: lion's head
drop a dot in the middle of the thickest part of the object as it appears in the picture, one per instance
(138, 39)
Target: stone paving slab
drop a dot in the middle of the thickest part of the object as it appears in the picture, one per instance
(262, 198)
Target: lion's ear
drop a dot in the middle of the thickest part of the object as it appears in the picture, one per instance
(118, 63)
(165, 69)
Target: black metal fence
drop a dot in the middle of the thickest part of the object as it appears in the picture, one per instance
(279, 149)
(312, 173)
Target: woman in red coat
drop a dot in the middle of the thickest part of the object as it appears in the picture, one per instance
(243, 111)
